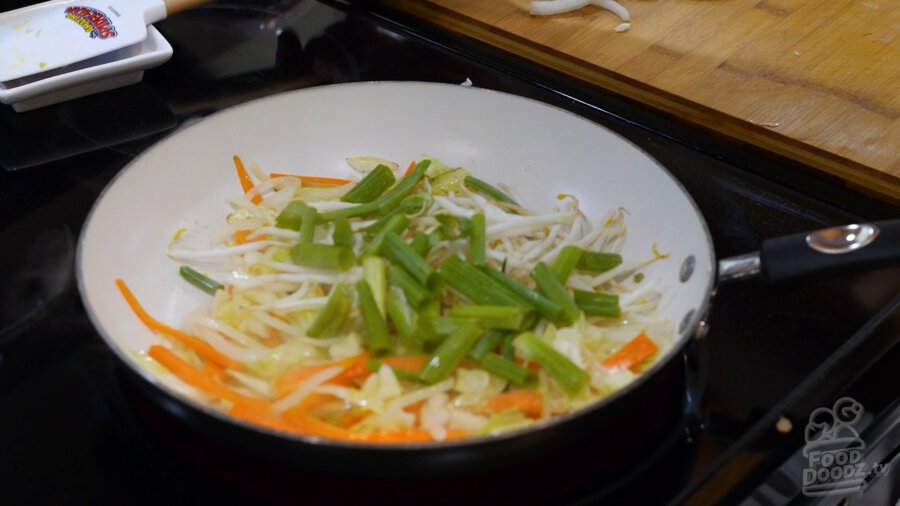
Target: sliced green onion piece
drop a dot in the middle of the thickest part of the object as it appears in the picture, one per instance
(420, 244)
(507, 369)
(392, 198)
(322, 256)
(544, 306)
(372, 186)
(569, 376)
(402, 316)
(453, 227)
(477, 243)
(398, 251)
(375, 274)
(492, 317)
(450, 353)
(308, 224)
(416, 294)
(598, 304)
(291, 217)
(477, 286)
(376, 328)
(596, 261)
(565, 262)
(334, 314)
(444, 325)
(350, 212)
(394, 224)
(486, 189)
(343, 234)
(507, 346)
(202, 282)
(555, 291)
(488, 342)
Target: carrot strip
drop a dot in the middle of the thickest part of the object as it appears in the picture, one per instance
(199, 380)
(412, 166)
(289, 381)
(213, 370)
(636, 351)
(412, 363)
(314, 180)
(201, 347)
(528, 402)
(244, 177)
(240, 237)
(352, 418)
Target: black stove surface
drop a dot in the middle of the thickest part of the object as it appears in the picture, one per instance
(77, 429)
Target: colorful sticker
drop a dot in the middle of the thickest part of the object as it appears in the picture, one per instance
(93, 21)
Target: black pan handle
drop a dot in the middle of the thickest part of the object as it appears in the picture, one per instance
(830, 251)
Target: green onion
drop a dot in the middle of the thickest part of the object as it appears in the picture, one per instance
(507, 346)
(453, 227)
(394, 224)
(322, 256)
(596, 261)
(401, 315)
(424, 327)
(308, 224)
(544, 306)
(372, 186)
(507, 369)
(416, 294)
(450, 353)
(598, 304)
(477, 286)
(488, 342)
(444, 325)
(334, 314)
(350, 212)
(291, 217)
(398, 251)
(492, 317)
(566, 261)
(375, 274)
(392, 198)
(420, 244)
(569, 376)
(199, 280)
(376, 328)
(408, 206)
(555, 291)
(401, 374)
(343, 234)
(477, 244)
(486, 189)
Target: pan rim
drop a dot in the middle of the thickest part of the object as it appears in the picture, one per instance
(681, 338)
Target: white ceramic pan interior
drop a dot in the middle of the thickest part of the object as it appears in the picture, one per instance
(539, 150)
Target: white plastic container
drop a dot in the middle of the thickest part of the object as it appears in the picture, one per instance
(111, 70)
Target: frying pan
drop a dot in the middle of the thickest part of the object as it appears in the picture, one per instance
(539, 150)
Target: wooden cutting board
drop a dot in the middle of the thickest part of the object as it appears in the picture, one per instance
(816, 81)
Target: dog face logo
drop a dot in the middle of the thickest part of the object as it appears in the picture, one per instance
(93, 21)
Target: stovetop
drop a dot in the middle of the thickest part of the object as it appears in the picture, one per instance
(77, 429)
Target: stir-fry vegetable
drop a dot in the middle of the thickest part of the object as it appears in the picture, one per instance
(413, 305)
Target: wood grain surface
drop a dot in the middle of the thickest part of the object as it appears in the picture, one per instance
(816, 81)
